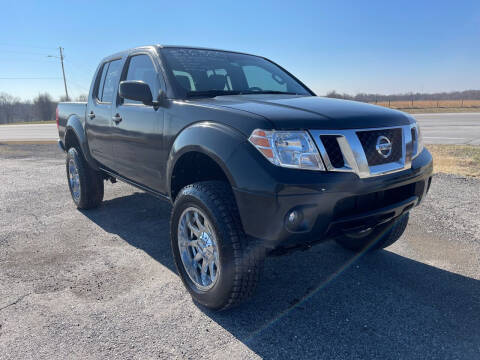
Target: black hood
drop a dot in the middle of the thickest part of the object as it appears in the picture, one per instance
(312, 112)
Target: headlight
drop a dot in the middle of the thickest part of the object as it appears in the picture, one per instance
(417, 140)
(293, 149)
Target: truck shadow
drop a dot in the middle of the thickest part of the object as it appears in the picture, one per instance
(327, 303)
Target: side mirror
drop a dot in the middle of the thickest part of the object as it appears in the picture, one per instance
(136, 90)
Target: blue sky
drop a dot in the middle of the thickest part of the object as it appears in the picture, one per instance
(350, 46)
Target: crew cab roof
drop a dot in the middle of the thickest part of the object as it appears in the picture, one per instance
(121, 54)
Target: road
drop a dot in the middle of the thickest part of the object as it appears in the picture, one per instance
(454, 128)
(27, 132)
(102, 283)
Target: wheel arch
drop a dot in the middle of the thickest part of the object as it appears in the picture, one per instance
(75, 136)
(205, 144)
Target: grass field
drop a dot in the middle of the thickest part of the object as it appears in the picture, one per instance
(433, 106)
(456, 159)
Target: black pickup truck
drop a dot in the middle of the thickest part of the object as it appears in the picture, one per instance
(253, 162)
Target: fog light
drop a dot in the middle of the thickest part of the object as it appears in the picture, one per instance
(294, 220)
(293, 217)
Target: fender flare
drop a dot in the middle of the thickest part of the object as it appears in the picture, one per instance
(215, 140)
(76, 125)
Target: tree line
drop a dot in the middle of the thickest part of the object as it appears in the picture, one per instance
(41, 108)
(453, 95)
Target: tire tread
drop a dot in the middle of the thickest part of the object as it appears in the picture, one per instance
(248, 253)
(91, 182)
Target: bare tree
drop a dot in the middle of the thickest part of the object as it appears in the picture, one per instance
(7, 107)
(344, 96)
(44, 107)
(12, 109)
(334, 94)
(454, 95)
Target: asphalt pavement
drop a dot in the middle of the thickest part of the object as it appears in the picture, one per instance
(102, 283)
(453, 128)
(28, 132)
(441, 128)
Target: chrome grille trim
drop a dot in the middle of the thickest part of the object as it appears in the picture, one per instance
(354, 156)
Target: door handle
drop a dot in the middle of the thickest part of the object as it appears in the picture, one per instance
(117, 118)
(91, 115)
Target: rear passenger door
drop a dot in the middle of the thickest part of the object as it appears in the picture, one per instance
(99, 113)
(138, 136)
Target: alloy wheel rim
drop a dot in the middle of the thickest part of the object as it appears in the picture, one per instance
(198, 248)
(74, 180)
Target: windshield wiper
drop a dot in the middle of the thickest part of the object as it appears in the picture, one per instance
(270, 92)
(212, 93)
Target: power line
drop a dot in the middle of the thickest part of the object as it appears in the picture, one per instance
(28, 78)
(17, 58)
(27, 46)
(78, 85)
(23, 52)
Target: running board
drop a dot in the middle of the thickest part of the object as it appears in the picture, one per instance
(137, 185)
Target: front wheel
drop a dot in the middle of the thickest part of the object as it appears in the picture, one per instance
(218, 264)
(85, 184)
(377, 238)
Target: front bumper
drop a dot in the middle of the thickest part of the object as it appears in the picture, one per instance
(327, 204)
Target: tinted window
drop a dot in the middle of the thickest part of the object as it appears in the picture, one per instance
(200, 72)
(99, 90)
(111, 80)
(184, 79)
(260, 78)
(141, 68)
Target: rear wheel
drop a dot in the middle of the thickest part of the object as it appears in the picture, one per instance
(376, 238)
(218, 264)
(85, 184)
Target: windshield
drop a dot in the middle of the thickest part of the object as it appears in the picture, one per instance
(203, 73)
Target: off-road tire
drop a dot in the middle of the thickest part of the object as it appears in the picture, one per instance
(241, 257)
(379, 238)
(91, 181)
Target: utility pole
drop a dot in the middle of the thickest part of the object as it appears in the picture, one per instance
(63, 70)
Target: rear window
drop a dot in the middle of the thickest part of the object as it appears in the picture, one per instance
(111, 80)
(107, 83)
(100, 81)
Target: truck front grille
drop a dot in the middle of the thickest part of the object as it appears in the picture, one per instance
(369, 144)
(333, 150)
(360, 150)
